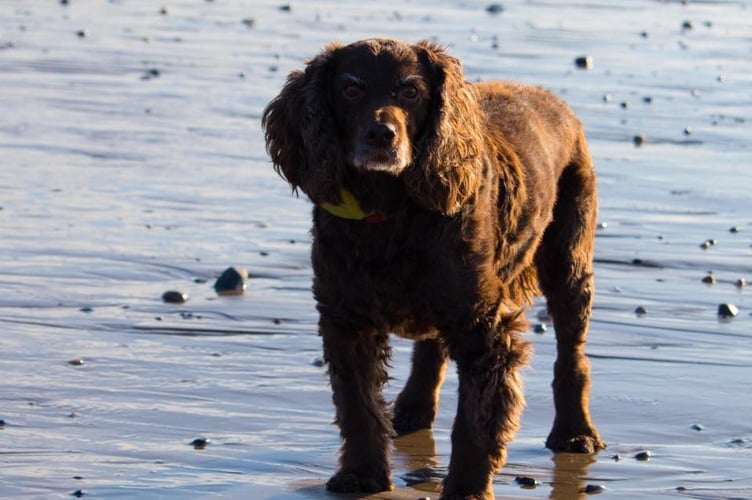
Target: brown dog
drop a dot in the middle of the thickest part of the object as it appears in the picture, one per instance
(441, 207)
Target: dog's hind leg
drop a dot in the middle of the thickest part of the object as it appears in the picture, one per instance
(415, 407)
(564, 263)
(357, 370)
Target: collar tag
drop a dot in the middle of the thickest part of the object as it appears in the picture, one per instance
(349, 208)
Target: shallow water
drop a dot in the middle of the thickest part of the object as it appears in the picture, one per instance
(132, 162)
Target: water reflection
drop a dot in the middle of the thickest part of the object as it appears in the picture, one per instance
(570, 471)
(416, 453)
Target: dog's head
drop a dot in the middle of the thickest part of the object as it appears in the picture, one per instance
(378, 106)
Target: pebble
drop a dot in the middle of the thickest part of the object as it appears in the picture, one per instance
(616, 457)
(527, 482)
(249, 22)
(708, 243)
(708, 279)
(735, 229)
(688, 130)
(150, 74)
(233, 281)
(86, 309)
(740, 283)
(540, 328)
(643, 456)
(2, 422)
(698, 427)
(199, 443)
(495, 8)
(78, 493)
(174, 297)
(318, 362)
(639, 310)
(727, 310)
(76, 362)
(638, 140)
(594, 489)
(82, 33)
(584, 62)
(602, 225)
(687, 25)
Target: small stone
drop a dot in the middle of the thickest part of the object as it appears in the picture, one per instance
(644, 456)
(150, 74)
(164, 11)
(695, 92)
(526, 482)
(78, 493)
(616, 458)
(495, 8)
(602, 225)
(174, 297)
(540, 328)
(647, 99)
(233, 281)
(640, 311)
(708, 243)
(687, 25)
(584, 62)
(318, 362)
(638, 140)
(740, 283)
(594, 489)
(285, 8)
(2, 422)
(607, 97)
(624, 104)
(697, 427)
(199, 443)
(708, 279)
(86, 309)
(727, 310)
(249, 22)
(76, 362)
(688, 130)
(82, 33)
(735, 229)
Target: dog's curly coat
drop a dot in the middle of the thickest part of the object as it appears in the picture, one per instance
(468, 199)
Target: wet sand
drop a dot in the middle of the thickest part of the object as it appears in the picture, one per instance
(132, 162)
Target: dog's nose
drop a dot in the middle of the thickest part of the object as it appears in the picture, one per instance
(380, 134)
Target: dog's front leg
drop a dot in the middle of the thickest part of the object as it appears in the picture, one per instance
(489, 406)
(357, 370)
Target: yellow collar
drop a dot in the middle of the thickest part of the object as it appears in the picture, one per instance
(349, 208)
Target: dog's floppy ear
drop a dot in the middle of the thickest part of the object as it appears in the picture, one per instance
(300, 132)
(448, 166)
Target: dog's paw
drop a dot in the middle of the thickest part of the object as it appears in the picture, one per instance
(409, 418)
(351, 482)
(589, 442)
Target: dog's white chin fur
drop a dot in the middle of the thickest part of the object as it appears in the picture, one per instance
(389, 168)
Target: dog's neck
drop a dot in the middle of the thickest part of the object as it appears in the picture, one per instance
(349, 208)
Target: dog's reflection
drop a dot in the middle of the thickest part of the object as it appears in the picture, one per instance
(570, 471)
(416, 454)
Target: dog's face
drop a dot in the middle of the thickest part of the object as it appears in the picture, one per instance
(380, 96)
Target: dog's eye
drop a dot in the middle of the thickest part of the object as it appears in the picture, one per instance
(408, 93)
(352, 91)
